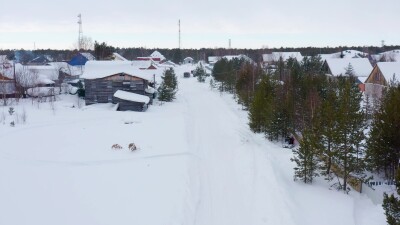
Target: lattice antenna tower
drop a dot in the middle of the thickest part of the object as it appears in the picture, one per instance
(80, 35)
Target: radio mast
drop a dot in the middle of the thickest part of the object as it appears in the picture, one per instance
(80, 35)
(179, 24)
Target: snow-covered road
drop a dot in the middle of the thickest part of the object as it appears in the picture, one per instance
(198, 164)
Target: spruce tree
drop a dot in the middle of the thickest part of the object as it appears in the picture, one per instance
(391, 204)
(306, 157)
(200, 73)
(168, 87)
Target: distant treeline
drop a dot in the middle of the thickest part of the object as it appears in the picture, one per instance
(177, 55)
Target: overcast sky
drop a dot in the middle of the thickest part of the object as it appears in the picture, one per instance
(207, 23)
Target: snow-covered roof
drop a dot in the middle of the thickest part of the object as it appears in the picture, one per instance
(68, 69)
(101, 69)
(275, 56)
(129, 96)
(389, 69)
(241, 56)
(347, 54)
(143, 64)
(41, 59)
(118, 57)
(214, 59)
(389, 56)
(88, 55)
(157, 54)
(361, 66)
(168, 64)
(45, 74)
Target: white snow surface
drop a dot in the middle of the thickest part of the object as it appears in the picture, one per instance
(129, 96)
(197, 163)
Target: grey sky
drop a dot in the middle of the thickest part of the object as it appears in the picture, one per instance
(250, 23)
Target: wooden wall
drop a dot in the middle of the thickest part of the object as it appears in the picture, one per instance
(102, 90)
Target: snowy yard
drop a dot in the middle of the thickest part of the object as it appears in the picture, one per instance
(197, 163)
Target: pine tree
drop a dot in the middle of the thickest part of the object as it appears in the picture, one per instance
(350, 132)
(306, 157)
(168, 87)
(327, 115)
(383, 152)
(391, 204)
(261, 108)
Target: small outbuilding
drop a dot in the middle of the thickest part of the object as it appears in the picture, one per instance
(131, 101)
(188, 60)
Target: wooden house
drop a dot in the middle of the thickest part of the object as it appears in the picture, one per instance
(380, 78)
(103, 79)
(361, 68)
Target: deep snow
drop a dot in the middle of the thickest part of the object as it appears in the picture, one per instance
(197, 163)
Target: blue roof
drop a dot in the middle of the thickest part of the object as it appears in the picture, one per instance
(80, 59)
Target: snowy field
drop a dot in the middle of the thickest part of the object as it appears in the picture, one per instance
(197, 163)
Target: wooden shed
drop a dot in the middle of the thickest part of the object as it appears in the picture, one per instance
(131, 101)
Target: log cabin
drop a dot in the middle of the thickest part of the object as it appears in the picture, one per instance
(112, 81)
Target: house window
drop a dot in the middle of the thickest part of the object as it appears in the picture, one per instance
(109, 84)
(109, 98)
(377, 77)
(133, 84)
(95, 98)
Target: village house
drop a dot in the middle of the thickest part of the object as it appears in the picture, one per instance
(119, 83)
(380, 77)
(156, 56)
(81, 58)
(361, 68)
